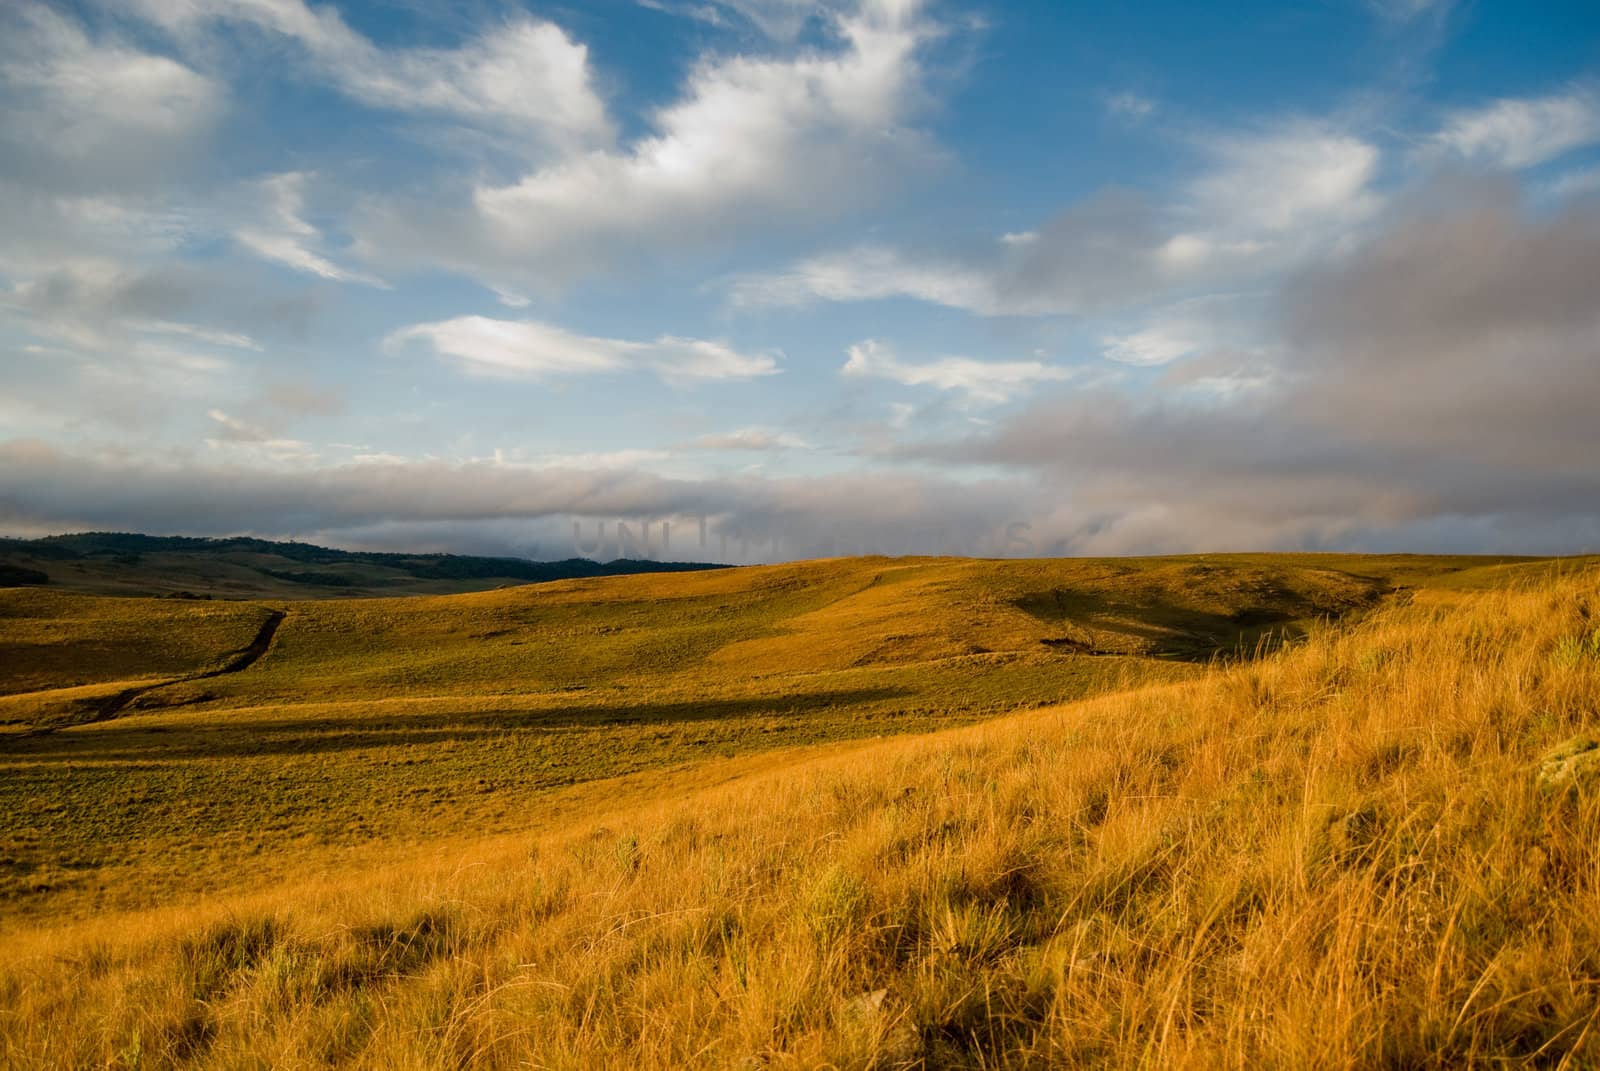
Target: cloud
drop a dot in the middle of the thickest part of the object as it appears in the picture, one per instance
(84, 114)
(95, 137)
(1096, 254)
(750, 518)
(284, 237)
(1406, 11)
(1298, 176)
(1468, 327)
(751, 439)
(210, 337)
(525, 77)
(99, 306)
(232, 431)
(985, 382)
(1183, 329)
(1263, 202)
(751, 142)
(1153, 345)
(1579, 183)
(1439, 376)
(1129, 105)
(869, 273)
(1429, 389)
(528, 349)
(781, 20)
(298, 399)
(1515, 133)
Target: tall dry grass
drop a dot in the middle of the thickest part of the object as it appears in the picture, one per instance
(1347, 854)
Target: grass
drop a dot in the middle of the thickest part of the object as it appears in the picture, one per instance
(50, 640)
(398, 721)
(1345, 852)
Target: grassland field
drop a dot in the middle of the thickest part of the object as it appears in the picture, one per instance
(173, 801)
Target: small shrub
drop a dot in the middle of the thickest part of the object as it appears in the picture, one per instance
(1573, 651)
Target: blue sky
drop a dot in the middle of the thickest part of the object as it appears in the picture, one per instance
(809, 278)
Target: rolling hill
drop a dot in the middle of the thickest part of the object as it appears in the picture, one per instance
(118, 563)
(1287, 809)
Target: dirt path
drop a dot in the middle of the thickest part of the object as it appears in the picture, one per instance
(247, 656)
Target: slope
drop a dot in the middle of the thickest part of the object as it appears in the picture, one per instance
(390, 723)
(1371, 849)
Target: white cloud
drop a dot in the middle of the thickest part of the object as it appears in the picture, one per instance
(743, 131)
(232, 339)
(870, 273)
(988, 382)
(525, 76)
(1300, 176)
(753, 439)
(593, 460)
(233, 428)
(1516, 133)
(766, 142)
(284, 237)
(1153, 345)
(1184, 329)
(1265, 201)
(529, 349)
(88, 111)
(779, 19)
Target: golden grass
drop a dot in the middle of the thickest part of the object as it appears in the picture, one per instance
(395, 722)
(1346, 854)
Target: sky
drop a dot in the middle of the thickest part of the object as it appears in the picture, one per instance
(757, 280)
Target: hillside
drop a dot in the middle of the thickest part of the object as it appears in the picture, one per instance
(114, 563)
(1373, 847)
(135, 764)
(643, 821)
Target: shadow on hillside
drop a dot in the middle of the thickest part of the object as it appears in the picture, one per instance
(1102, 624)
(130, 742)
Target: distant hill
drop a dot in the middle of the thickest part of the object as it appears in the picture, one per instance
(122, 563)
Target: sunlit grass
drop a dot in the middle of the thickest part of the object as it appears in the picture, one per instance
(1347, 853)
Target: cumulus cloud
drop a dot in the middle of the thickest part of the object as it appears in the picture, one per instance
(528, 349)
(1521, 132)
(986, 382)
(750, 142)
